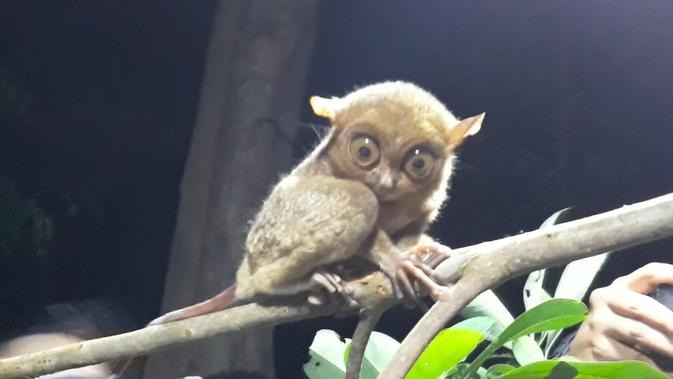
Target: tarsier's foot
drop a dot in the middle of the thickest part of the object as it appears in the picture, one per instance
(421, 266)
(334, 286)
(416, 266)
(424, 278)
(431, 255)
(394, 269)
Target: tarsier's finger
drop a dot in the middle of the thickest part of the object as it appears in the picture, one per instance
(334, 279)
(341, 288)
(432, 256)
(436, 290)
(403, 282)
(429, 271)
(323, 280)
(408, 288)
(316, 298)
(391, 274)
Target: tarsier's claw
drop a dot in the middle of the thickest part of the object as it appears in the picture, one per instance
(407, 291)
(322, 279)
(431, 256)
(423, 279)
(427, 270)
(402, 285)
(315, 298)
(334, 286)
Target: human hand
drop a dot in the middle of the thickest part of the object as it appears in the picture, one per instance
(625, 323)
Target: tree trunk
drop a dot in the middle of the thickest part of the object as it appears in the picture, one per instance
(256, 68)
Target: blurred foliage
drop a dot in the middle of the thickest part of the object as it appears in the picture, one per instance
(24, 225)
(38, 208)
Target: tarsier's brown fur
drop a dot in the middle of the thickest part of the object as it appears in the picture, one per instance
(370, 188)
(325, 209)
(332, 206)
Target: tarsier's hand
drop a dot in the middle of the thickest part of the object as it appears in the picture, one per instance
(625, 323)
(430, 255)
(423, 260)
(333, 285)
(416, 265)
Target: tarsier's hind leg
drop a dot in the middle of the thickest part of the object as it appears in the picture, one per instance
(305, 225)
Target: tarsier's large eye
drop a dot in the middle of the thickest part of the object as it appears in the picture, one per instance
(419, 163)
(364, 150)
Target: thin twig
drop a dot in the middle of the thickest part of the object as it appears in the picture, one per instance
(363, 331)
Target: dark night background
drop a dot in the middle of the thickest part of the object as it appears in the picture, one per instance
(98, 99)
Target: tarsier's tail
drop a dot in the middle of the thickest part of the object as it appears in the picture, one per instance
(221, 301)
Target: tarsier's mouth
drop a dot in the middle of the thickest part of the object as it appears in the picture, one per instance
(387, 193)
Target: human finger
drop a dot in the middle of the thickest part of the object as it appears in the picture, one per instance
(647, 278)
(639, 336)
(635, 306)
(605, 348)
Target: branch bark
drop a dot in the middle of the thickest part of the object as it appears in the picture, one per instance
(474, 269)
(488, 264)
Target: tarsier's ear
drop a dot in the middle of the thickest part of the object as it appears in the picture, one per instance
(327, 108)
(465, 128)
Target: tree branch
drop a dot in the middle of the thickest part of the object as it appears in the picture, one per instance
(375, 288)
(488, 264)
(476, 268)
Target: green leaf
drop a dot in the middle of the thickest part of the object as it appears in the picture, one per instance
(554, 218)
(488, 304)
(526, 350)
(380, 350)
(447, 349)
(573, 284)
(553, 314)
(578, 275)
(563, 371)
(497, 370)
(487, 326)
(585, 370)
(533, 291)
(326, 356)
(461, 371)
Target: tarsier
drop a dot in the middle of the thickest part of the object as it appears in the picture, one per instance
(370, 188)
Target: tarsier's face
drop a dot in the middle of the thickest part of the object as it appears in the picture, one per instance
(392, 171)
(388, 153)
(394, 137)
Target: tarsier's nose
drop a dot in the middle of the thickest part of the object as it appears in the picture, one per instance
(387, 186)
(388, 180)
